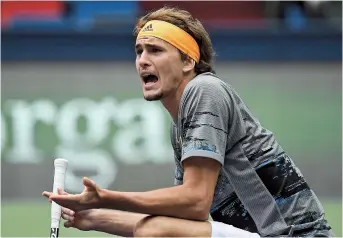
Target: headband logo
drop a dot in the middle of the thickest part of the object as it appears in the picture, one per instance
(148, 28)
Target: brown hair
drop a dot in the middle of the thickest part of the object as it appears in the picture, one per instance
(184, 20)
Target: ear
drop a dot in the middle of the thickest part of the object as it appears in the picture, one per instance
(188, 65)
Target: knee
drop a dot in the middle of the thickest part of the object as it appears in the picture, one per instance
(149, 227)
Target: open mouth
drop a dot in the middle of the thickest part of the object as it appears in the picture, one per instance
(149, 78)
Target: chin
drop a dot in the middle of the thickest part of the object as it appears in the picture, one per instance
(153, 97)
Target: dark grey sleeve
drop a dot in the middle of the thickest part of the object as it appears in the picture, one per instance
(204, 121)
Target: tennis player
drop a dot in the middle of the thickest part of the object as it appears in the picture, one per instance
(227, 164)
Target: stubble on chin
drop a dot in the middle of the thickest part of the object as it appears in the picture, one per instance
(154, 97)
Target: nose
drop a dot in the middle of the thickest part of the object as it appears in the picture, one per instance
(143, 60)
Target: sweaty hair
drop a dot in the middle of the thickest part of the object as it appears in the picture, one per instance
(184, 20)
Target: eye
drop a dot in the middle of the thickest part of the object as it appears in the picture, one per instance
(155, 50)
(139, 51)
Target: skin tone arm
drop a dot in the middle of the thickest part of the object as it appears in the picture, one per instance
(128, 224)
(113, 222)
(192, 200)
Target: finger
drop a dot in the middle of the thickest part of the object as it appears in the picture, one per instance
(68, 201)
(68, 211)
(46, 194)
(68, 197)
(89, 183)
(67, 217)
(68, 224)
(61, 192)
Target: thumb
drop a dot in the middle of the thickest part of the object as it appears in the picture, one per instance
(90, 184)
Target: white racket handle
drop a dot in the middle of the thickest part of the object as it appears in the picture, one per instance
(59, 177)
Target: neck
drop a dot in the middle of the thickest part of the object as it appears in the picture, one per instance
(172, 101)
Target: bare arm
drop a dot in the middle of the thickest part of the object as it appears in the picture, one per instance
(115, 222)
(192, 200)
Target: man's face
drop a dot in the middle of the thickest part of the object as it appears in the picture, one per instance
(159, 66)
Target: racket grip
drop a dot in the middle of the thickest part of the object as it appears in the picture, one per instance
(59, 177)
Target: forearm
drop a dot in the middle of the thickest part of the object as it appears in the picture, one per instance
(115, 222)
(175, 201)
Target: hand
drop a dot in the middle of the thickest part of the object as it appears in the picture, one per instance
(82, 220)
(88, 199)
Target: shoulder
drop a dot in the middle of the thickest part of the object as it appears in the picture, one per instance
(206, 80)
(206, 85)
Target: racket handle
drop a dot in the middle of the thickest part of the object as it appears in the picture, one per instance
(59, 177)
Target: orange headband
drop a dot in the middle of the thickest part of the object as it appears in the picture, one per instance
(173, 35)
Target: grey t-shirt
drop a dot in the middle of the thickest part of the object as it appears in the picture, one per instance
(259, 188)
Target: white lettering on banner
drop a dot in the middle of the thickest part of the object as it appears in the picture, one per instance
(143, 134)
(96, 162)
(97, 115)
(45, 111)
(24, 117)
(139, 135)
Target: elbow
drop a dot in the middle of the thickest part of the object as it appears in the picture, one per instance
(201, 214)
(200, 208)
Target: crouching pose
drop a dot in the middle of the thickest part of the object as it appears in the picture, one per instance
(227, 164)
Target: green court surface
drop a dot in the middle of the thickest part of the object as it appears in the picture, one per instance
(19, 219)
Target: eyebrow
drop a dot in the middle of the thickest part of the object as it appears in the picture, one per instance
(148, 44)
